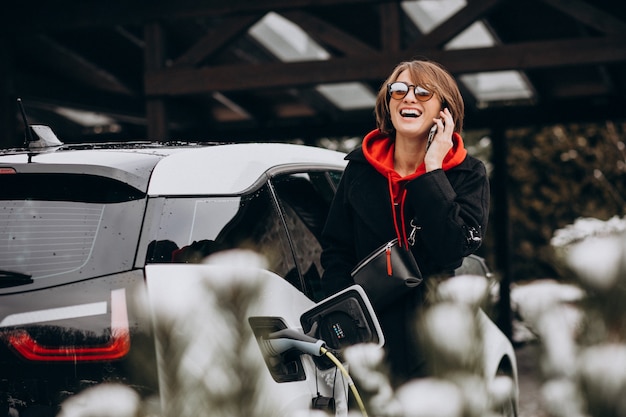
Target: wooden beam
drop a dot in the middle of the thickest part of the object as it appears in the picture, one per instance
(589, 88)
(590, 15)
(541, 54)
(216, 38)
(522, 56)
(457, 23)
(50, 92)
(44, 16)
(358, 123)
(550, 111)
(328, 34)
(73, 65)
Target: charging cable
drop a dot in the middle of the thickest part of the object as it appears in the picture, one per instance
(286, 339)
(343, 370)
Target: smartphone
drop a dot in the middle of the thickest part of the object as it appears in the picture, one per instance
(431, 136)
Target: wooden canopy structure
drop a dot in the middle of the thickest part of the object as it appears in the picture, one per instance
(157, 69)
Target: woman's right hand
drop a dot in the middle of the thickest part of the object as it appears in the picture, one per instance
(442, 142)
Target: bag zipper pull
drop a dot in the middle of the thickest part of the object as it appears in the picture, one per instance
(388, 253)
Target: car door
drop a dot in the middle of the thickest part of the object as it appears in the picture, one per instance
(181, 231)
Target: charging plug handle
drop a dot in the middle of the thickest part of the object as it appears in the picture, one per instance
(286, 339)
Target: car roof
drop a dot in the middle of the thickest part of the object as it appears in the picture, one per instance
(179, 169)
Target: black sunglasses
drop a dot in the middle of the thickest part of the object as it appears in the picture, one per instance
(398, 90)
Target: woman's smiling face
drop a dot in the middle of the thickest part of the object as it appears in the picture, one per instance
(411, 117)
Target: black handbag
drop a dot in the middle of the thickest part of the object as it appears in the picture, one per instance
(387, 273)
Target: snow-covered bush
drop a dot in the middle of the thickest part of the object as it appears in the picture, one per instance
(583, 338)
(450, 332)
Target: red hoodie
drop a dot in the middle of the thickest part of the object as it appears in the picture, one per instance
(378, 149)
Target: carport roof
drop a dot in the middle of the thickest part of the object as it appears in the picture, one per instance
(226, 70)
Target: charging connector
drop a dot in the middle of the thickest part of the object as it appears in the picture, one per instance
(283, 340)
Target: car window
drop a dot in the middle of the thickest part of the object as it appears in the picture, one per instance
(335, 177)
(66, 227)
(305, 200)
(192, 228)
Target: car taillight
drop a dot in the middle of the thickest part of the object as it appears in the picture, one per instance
(117, 346)
(5, 170)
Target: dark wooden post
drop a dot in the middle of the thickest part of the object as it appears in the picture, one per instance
(501, 224)
(156, 108)
(8, 104)
(390, 27)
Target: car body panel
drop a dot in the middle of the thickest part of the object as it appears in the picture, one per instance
(498, 350)
(222, 170)
(181, 290)
(131, 166)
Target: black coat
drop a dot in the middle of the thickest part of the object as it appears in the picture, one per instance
(450, 207)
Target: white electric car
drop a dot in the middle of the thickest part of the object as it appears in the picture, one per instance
(86, 229)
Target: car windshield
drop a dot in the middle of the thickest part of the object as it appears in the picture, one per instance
(66, 227)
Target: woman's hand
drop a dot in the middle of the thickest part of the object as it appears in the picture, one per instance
(442, 142)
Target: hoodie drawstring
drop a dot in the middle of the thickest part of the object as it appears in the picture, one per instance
(402, 199)
(402, 238)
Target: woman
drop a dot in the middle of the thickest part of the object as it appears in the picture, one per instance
(433, 197)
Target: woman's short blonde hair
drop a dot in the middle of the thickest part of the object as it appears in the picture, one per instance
(430, 75)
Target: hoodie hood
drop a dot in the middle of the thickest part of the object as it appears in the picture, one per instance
(378, 150)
